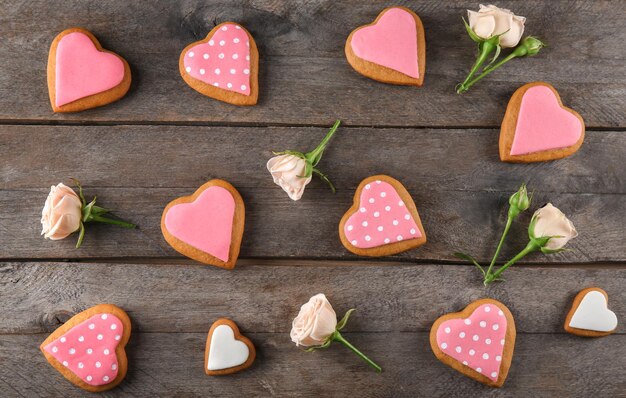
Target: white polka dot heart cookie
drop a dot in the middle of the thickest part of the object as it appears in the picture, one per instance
(383, 219)
(89, 349)
(477, 341)
(227, 351)
(224, 65)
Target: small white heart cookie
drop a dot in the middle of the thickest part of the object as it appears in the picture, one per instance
(590, 315)
(227, 351)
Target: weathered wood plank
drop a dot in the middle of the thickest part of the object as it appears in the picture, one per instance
(170, 364)
(304, 76)
(459, 185)
(169, 297)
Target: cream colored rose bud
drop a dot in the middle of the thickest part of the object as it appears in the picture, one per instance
(288, 172)
(490, 21)
(315, 322)
(550, 221)
(61, 214)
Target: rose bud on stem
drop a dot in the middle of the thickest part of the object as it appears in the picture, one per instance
(316, 327)
(65, 212)
(293, 170)
(549, 231)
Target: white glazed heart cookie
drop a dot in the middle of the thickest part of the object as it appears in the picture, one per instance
(227, 351)
(590, 315)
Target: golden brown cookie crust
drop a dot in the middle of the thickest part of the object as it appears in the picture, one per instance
(219, 93)
(509, 124)
(239, 219)
(577, 300)
(391, 248)
(239, 337)
(120, 351)
(507, 353)
(92, 101)
(382, 73)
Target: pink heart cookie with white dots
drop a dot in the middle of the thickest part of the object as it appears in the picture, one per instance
(477, 341)
(224, 65)
(383, 219)
(89, 349)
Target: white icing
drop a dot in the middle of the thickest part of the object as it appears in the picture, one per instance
(226, 352)
(592, 314)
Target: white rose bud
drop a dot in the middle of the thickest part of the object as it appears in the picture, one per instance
(315, 322)
(550, 221)
(288, 172)
(61, 214)
(491, 21)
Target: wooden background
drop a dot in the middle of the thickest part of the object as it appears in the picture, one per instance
(164, 140)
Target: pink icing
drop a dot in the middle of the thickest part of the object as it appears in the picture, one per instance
(88, 349)
(542, 124)
(391, 42)
(223, 61)
(206, 223)
(477, 341)
(382, 218)
(81, 70)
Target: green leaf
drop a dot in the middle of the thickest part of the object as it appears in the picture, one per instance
(342, 323)
(87, 210)
(81, 235)
(495, 57)
(471, 259)
(319, 347)
(324, 178)
(471, 33)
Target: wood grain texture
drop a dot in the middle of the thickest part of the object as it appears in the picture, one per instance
(170, 364)
(458, 184)
(304, 76)
(185, 297)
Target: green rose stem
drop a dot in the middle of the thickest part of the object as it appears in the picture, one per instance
(532, 246)
(93, 213)
(518, 202)
(529, 46)
(336, 336)
(486, 48)
(313, 158)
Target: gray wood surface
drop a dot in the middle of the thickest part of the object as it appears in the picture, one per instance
(304, 77)
(459, 185)
(164, 140)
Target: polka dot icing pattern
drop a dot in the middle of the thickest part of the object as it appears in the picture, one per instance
(88, 349)
(82, 70)
(223, 61)
(382, 218)
(477, 341)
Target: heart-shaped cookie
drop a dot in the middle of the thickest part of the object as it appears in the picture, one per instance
(383, 219)
(477, 341)
(208, 225)
(224, 65)
(227, 351)
(82, 75)
(590, 315)
(392, 49)
(89, 349)
(537, 127)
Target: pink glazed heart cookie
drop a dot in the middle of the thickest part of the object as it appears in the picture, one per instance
(89, 349)
(82, 75)
(383, 219)
(208, 225)
(477, 341)
(537, 127)
(224, 65)
(392, 49)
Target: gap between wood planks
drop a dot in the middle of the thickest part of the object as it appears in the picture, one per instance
(95, 123)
